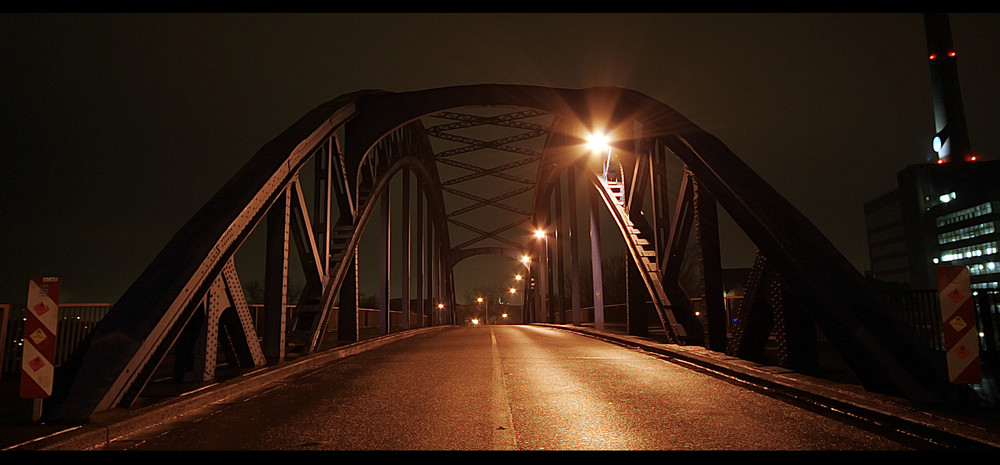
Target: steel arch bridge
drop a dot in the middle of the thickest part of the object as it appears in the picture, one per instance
(190, 299)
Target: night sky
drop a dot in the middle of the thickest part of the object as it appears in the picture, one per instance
(117, 128)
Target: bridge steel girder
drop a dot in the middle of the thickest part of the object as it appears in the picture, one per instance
(116, 361)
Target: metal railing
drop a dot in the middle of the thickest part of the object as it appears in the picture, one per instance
(918, 309)
(75, 323)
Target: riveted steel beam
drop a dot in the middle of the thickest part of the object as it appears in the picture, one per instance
(119, 357)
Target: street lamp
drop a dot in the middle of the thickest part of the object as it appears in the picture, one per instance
(598, 143)
(487, 319)
(540, 234)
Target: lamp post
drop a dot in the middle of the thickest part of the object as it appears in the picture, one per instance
(542, 284)
(518, 279)
(526, 261)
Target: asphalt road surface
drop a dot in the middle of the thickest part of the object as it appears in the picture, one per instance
(506, 388)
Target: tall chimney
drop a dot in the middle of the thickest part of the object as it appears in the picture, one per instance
(952, 139)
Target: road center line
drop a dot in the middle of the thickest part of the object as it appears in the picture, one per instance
(504, 437)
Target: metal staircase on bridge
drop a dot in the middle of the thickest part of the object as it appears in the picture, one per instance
(644, 255)
(309, 317)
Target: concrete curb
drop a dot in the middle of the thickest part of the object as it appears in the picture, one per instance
(844, 399)
(105, 427)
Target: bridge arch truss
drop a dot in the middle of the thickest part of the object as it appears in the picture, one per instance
(190, 299)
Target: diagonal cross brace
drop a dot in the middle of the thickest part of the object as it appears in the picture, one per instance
(487, 234)
(482, 201)
(479, 171)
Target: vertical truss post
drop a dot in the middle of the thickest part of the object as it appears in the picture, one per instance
(560, 271)
(432, 296)
(595, 258)
(384, 319)
(637, 297)
(322, 197)
(419, 259)
(574, 245)
(658, 185)
(541, 285)
(706, 220)
(348, 328)
(674, 255)
(404, 251)
(638, 184)
(449, 286)
(276, 278)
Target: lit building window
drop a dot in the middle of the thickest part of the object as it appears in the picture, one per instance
(972, 212)
(967, 233)
(984, 268)
(969, 252)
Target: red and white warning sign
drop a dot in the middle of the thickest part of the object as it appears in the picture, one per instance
(961, 337)
(39, 348)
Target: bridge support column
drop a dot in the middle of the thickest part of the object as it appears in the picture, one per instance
(707, 232)
(542, 285)
(574, 246)
(595, 258)
(276, 279)
(404, 251)
(348, 328)
(384, 319)
(419, 259)
(433, 279)
(558, 281)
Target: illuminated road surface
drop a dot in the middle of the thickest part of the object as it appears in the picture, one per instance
(502, 388)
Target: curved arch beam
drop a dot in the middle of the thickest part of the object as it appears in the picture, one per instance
(146, 319)
(843, 307)
(457, 255)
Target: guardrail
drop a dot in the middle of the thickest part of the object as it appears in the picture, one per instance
(918, 309)
(75, 322)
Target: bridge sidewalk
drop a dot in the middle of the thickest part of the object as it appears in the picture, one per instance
(964, 428)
